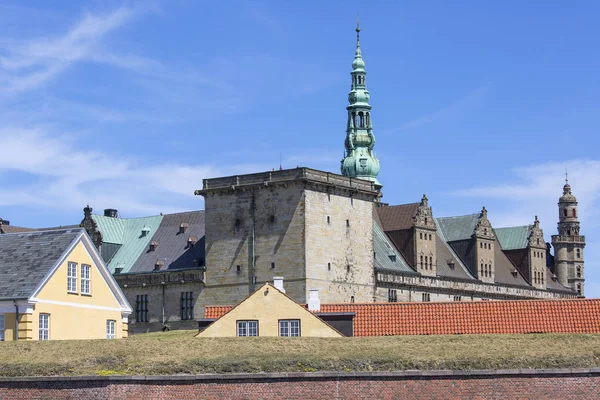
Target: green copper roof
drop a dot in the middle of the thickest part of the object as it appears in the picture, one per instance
(112, 228)
(127, 233)
(514, 237)
(359, 158)
(458, 228)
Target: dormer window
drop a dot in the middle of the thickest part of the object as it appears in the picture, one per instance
(145, 231)
(158, 265)
(392, 257)
(183, 227)
(191, 241)
(153, 245)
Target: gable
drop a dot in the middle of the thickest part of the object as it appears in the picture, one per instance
(267, 306)
(104, 291)
(26, 258)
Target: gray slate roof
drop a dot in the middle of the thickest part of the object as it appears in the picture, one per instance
(445, 255)
(458, 228)
(384, 248)
(26, 258)
(173, 247)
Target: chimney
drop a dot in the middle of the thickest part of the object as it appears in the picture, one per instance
(111, 212)
(314, 304)
(278, 283)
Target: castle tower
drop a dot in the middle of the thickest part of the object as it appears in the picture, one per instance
(359, 160)
(568, 244)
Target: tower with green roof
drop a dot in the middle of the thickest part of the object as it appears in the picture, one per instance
(359, 157)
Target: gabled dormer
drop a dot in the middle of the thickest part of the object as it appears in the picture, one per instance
(484, 241)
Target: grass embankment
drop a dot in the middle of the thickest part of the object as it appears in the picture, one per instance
(179, 352)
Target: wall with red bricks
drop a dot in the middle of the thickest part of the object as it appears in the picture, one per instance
(507, 384)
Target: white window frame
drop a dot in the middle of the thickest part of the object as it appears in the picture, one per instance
(44, 326)
(247, 328)
(2, 327)
(289, 327)
(110, 329)
(86, 281)
(72, 277)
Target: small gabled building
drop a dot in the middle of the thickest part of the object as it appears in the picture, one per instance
(54, 286)
(269, 312)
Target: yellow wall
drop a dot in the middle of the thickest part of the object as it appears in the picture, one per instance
(268, 305)
(9, 327)
(75, 316)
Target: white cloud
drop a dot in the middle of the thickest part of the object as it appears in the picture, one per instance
(29, 65)
(66, 177)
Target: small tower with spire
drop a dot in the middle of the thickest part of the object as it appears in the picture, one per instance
(568, 244)
(359, 157)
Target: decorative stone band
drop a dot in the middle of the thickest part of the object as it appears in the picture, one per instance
(568, 239)
(288, 176)
(159, 278)
(463, 287)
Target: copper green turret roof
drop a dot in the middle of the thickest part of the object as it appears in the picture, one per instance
(359, 157)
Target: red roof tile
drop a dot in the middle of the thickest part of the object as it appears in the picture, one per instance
(476, 317)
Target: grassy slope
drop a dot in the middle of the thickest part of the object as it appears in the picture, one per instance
(179, 352)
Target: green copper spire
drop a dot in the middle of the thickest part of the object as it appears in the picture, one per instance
(359, 158)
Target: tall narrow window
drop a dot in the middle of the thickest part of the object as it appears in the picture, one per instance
(72, 277)
(85, 279)
(578, 253)
(579, 289)
(187, 305)
(141, 308)
(392, 295)
(574, 213)
(289, 327)
(579, 271)
(425, 297)
(44, 327)
(1, 327)
(565, 212)
(247, 328)
(110, 329)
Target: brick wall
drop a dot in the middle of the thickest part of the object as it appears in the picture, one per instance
(507, 384)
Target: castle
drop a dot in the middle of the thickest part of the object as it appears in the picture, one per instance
(332, 233)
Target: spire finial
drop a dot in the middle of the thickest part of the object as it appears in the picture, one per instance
(566, 175)
(357, 29)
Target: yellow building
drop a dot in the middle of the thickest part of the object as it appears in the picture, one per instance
(269, 312)
(54, 286)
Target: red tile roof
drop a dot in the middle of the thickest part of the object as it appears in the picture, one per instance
(468, 317)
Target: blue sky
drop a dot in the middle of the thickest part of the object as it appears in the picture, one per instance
(129, 105)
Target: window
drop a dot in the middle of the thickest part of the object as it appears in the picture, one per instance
(578, 253)
(110, 329)
(420, 235)
(425, 297)
(247, 328)
(351, 299)
(187, 305)
(44, 326)
(72, 277)
(392, 295)
(238, 269)
(481, 245)
(347, 223)
(272, 265)
(430, 236)
(579, 289)
(289, 327)
(1, 327)
(328, 219)
(565, 212)
(579, 271)
(141, 308)
(457, 298)
(85, 279)
(328, 266)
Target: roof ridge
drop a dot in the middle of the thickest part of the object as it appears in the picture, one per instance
(459, 216)
(41, 231)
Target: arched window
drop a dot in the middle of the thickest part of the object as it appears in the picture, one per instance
(568, 232)
(538, 241)
(579, 271)
(578, 253)
(565, 212)
(579, 289)
(574, 212)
